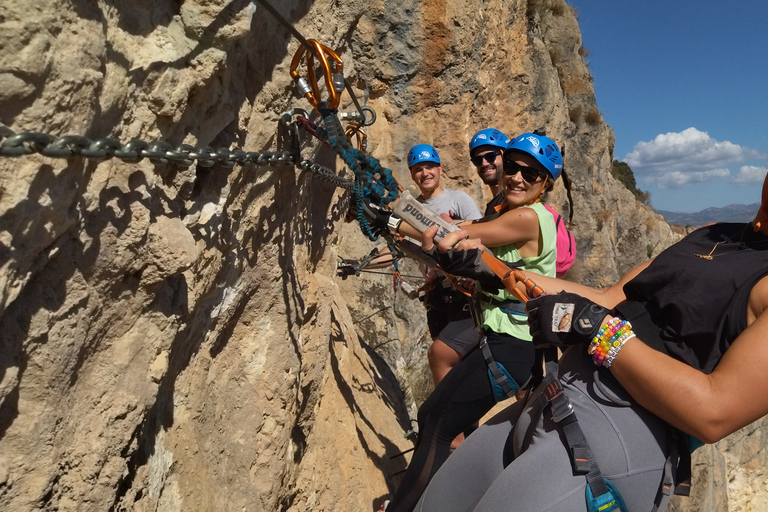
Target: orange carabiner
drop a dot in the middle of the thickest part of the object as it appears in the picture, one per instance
(334, 79)
(362, 137)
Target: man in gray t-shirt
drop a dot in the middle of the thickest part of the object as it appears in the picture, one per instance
(455, 203)
(426, 171)
(448, 310)
(448, 316)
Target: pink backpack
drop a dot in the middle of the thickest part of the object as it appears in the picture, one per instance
(566, 244)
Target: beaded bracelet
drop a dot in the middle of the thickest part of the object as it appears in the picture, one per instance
(609, 340)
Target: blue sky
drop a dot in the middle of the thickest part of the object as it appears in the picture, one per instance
(684, 86)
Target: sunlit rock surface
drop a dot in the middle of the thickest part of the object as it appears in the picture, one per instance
(175, 338)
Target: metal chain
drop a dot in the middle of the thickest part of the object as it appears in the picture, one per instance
(326, 174)
(160, 153)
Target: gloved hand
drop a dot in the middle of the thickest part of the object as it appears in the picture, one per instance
(377, 218)
(564, 319)
(469, 263)
(347, 268)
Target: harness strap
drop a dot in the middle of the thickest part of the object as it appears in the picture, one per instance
(502, 383)
(500, 376)
(508, 306)
(582, 458)
(683, 470)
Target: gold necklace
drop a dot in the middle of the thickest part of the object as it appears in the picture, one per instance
(709, 256)
(740, 244)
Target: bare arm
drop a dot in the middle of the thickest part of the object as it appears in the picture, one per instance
(607, 297)
(707, 406)
(382, 260)
(518, 226)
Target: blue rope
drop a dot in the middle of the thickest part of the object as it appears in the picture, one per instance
(392, 250)
(373, 182)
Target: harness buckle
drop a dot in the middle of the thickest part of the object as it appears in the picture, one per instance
(561, 405)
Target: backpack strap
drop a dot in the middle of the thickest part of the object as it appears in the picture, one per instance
(558, 220)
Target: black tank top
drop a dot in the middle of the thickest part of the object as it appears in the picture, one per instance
(699, 305)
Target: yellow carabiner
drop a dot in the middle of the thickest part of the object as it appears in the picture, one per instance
(334, 79)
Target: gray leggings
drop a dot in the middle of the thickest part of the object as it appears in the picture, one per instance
(518, 461)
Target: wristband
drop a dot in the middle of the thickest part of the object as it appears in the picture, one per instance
(393, 223)
(609, 340)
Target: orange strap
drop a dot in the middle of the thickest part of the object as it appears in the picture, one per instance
(510, 277)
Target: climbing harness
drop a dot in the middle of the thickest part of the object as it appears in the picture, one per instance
(677, 468)
(502, 383)
(601, 495)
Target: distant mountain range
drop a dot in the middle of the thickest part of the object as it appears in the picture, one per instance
(730, 213)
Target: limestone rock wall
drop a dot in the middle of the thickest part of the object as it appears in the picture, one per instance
(175, 338)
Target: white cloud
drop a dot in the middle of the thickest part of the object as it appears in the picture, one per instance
(677, 179)
(677, 159)
(749, 175)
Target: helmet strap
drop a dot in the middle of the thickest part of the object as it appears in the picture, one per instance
(536, 199)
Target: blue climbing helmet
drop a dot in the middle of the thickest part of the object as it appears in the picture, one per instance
(543, 149)
(488, 137)
(422, 153)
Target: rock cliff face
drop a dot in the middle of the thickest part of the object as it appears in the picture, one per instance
(175, 338)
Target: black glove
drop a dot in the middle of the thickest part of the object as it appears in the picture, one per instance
(563, 319)
(378, 218)
(347, 268)
(470, 264)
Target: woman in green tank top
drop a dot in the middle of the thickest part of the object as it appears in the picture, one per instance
(522, 229)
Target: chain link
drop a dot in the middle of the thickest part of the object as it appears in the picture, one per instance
(326, 174)
(160, 153)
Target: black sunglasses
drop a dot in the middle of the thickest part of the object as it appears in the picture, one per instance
(489, 157)
(529, 174)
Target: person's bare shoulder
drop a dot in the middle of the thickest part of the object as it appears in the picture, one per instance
(758, 300)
